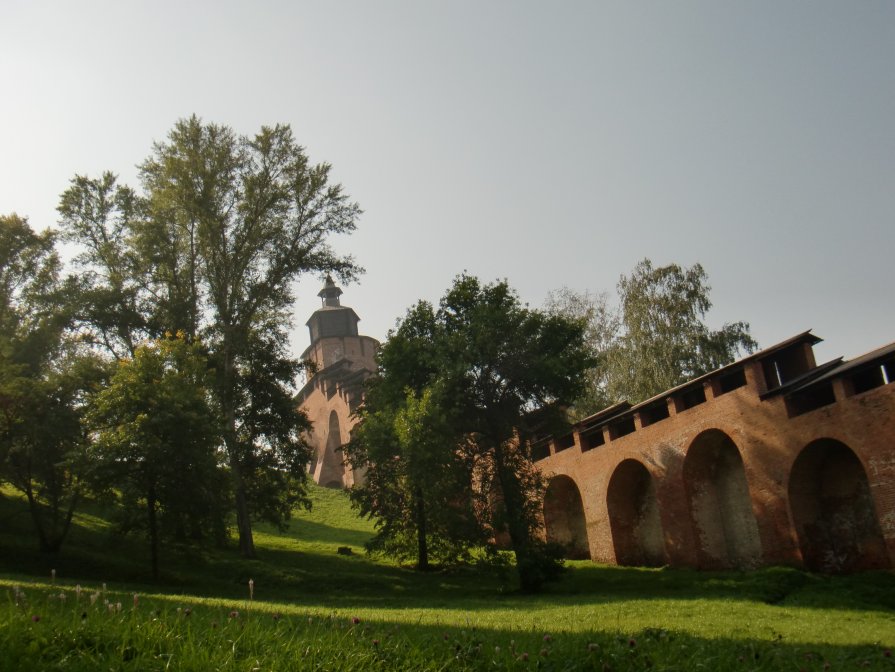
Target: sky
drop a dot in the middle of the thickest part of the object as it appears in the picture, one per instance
(548, 144)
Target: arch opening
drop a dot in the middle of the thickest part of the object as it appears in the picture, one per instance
(330, 471)
(634, 516)
(833, 512)
(564, 521)
(720, 506)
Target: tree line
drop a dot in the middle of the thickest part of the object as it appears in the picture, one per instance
(155, 369)
(652, 338)
(463, 388)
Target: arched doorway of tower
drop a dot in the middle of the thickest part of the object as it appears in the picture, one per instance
(833, 512)
(564, 521)
(720, 505)
(634, 516)
(330, 470)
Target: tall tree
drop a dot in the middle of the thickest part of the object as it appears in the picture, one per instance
(654, 339)
(418, 476)
(155, 436)
(271, 428)
(664, 339)
(601, 329)
(463, 383)
(417, 471)
(257, 214)
(212, 248)
(29, 289)
(44, 382)
(511, 361)
(45, 451)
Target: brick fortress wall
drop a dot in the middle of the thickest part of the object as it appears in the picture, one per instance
(771, 460)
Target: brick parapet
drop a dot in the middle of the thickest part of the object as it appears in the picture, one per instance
(768, 441)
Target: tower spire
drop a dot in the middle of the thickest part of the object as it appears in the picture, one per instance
(330, 293)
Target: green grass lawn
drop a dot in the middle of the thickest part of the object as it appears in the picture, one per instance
(316, 609)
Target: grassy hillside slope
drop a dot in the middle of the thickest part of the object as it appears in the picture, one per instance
(313, 607)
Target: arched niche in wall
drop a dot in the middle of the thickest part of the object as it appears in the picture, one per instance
(564, 520)
(331, 470)
(634, 516)
(833, 512)
(720, 505)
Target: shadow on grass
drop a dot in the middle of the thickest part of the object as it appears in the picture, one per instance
(296, 637)
(769, 585)
(471, 646)
(302, 572)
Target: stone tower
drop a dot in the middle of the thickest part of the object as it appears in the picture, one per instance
(340, 360)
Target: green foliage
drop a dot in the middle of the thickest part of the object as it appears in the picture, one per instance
(46, 453)
(458, 392)
(156, 438)
(417, 478)
(274, 455)
(212, 247)
(44, 382)
(411, 446)
(256, 214)
(602, 326)
(655, 340)
(29, 277)
(99, 216)
(515, 369)
(665, 341)
(32, 311)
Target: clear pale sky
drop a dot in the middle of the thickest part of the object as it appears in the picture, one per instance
(550, 144)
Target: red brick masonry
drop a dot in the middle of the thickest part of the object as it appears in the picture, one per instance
(770, 460)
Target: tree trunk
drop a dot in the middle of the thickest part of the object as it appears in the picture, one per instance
(153, 532)
(54, 543)
(529, 579)
(422, 562)
(45, 546)
(68, 516)
(194, 291)
(243, 521)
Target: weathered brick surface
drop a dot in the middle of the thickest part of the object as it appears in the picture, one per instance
(768, 442)
(341, 360)
(331, 423)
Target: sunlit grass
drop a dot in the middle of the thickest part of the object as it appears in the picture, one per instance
(306, 596)
(164, 631)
